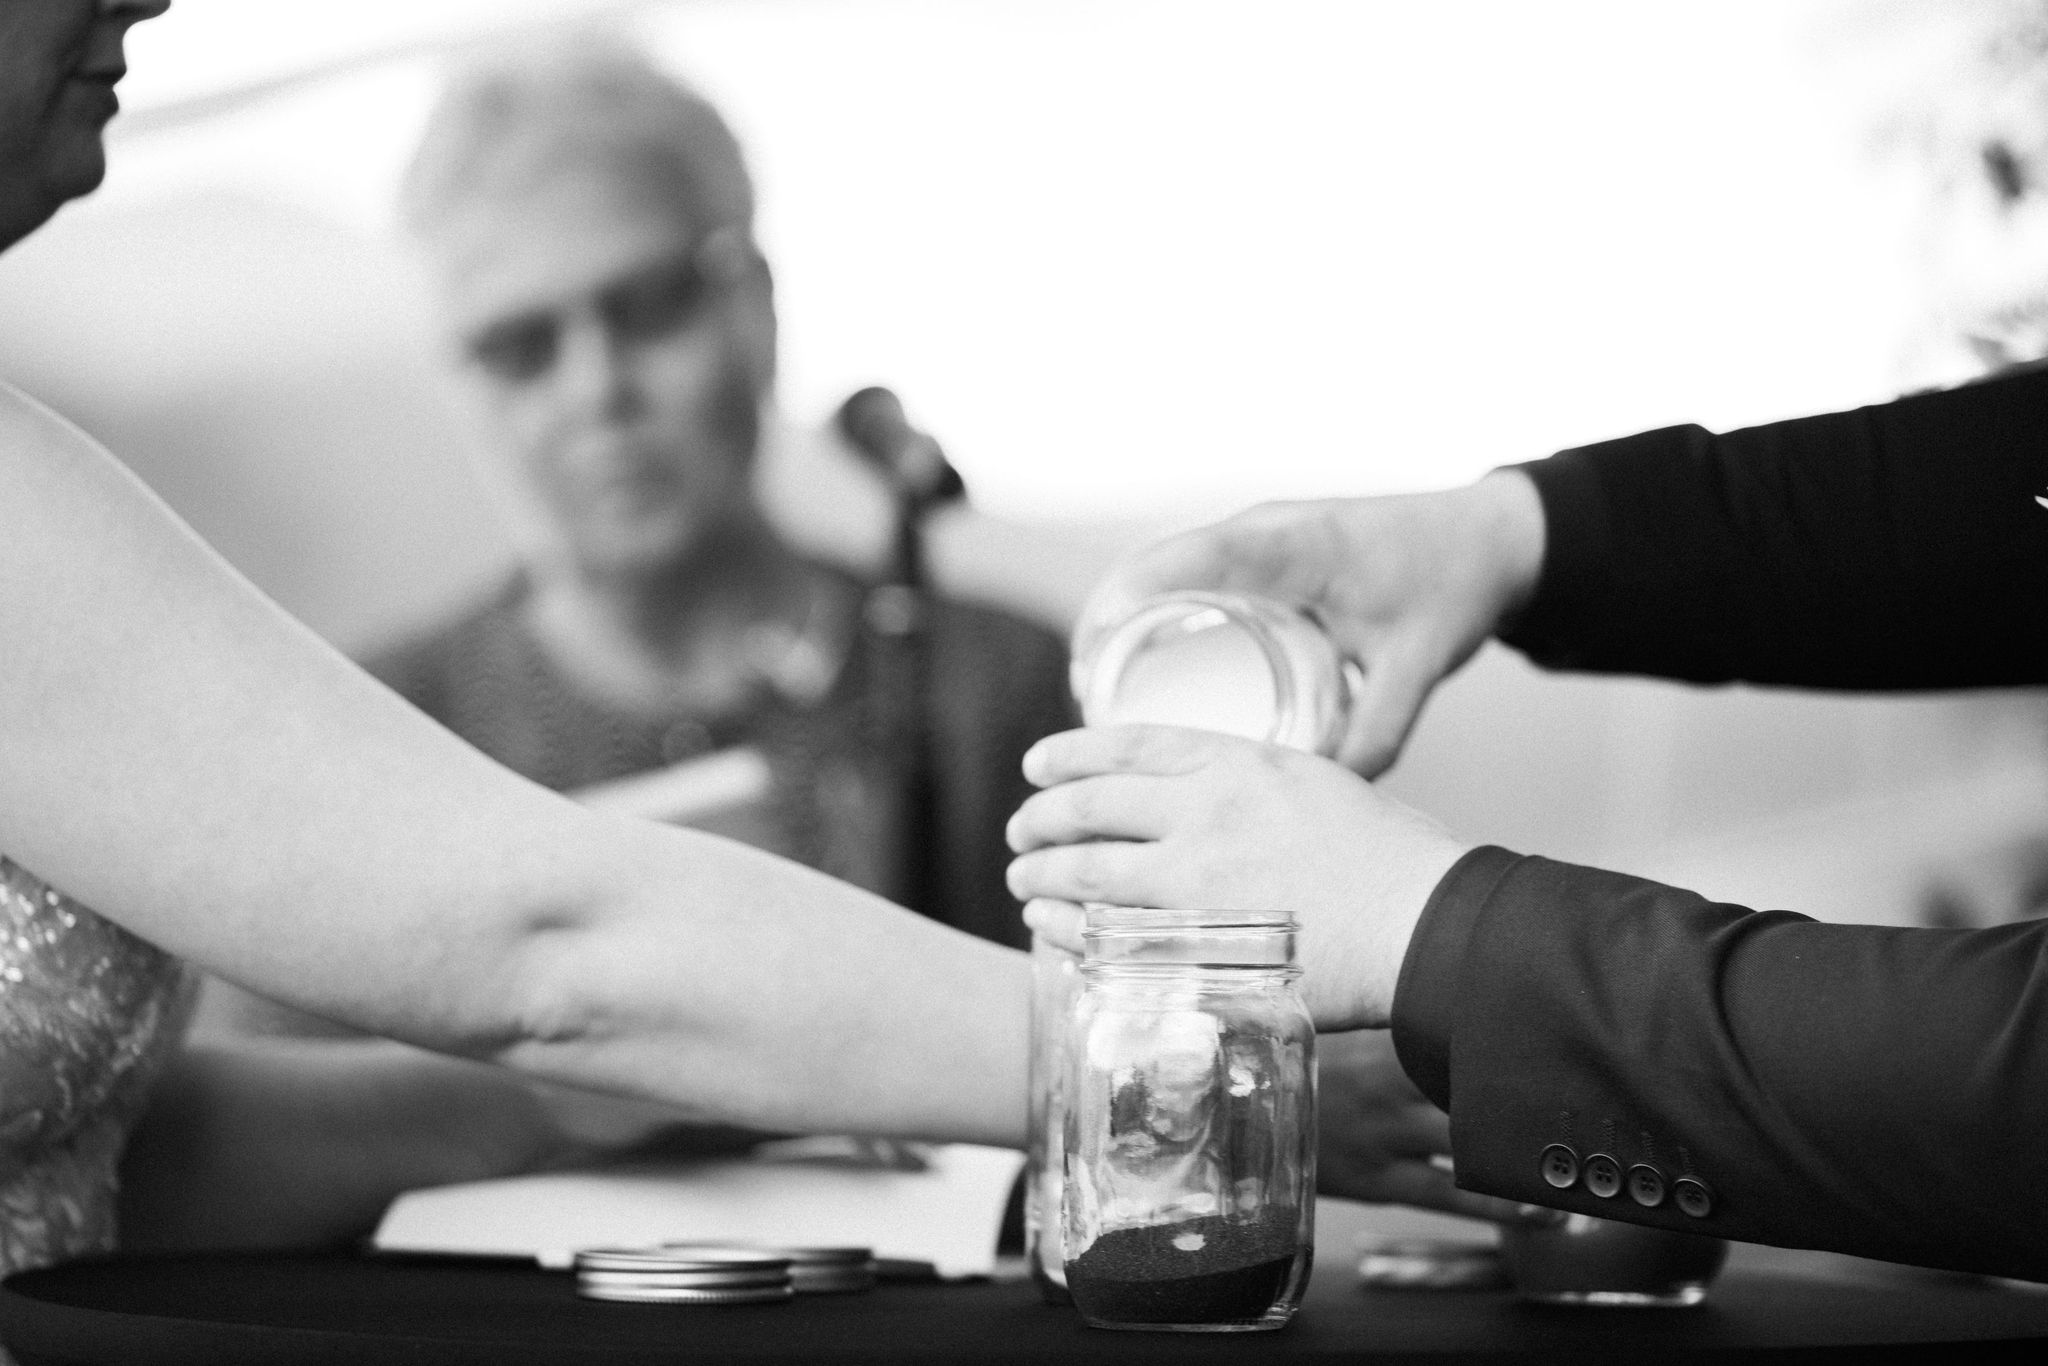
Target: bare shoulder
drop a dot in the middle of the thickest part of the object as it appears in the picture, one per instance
(43, 452)
(27, 424)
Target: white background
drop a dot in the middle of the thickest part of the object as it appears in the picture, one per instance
(1197, 251)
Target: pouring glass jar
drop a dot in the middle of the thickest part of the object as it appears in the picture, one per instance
(1226, 662)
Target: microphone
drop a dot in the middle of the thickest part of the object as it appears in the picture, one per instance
(917, 473)
(909, 459)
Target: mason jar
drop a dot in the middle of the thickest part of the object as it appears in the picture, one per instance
(1189, 1154)
(1249, 666)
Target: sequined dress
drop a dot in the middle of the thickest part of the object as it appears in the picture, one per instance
(88, 1016)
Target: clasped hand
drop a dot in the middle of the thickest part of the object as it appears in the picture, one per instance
(1168, 817)
(1159, 816)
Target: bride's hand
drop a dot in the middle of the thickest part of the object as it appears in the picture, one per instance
(1161, 816)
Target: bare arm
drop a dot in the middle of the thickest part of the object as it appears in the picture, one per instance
(195, 765)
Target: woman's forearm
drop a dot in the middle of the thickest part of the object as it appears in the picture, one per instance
(758, 991)
(195, 765)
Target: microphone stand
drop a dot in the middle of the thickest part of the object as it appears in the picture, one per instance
(900, 611)
(904, 616)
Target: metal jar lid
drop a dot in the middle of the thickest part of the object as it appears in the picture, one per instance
(831, 1270)
(676, 1295)
(819, 1270)
(695, 1275)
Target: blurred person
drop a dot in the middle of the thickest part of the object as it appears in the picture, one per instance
(587, 221)
(1757, 1075)
(587, 224)
(194, 781)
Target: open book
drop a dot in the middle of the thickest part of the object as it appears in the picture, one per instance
(801, 1193)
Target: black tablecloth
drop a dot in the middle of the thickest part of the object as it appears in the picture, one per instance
(226, 1310)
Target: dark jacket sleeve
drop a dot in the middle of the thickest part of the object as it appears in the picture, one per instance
(1869, 1090)
(1896, 546)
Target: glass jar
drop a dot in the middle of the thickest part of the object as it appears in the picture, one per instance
(1587, 1261)
(1189, 1201)
(1248, 666)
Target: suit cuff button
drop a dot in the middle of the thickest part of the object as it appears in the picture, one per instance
(1646, 1185)
(1603, 1176)
(1692, 1196)
(1559, 1166)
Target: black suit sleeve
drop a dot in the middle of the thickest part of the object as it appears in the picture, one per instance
(1870, 1090)
(1896, 546)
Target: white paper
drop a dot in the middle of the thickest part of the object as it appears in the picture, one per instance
(948, 1214)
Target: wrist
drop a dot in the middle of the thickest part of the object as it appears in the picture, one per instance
(1355, 954)
(1411, 881)
(1511, 533)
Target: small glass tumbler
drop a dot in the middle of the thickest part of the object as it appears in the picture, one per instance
(1190, 1145)
(1604, 1262)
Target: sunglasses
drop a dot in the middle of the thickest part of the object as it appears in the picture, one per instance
(662, 300)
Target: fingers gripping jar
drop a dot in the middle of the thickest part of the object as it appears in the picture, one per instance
(1190, 1137)
(1247, 666)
